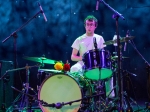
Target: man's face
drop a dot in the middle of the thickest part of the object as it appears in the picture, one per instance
(90, 27)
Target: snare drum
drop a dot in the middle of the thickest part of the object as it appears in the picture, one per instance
(97, 64)
(60, 88)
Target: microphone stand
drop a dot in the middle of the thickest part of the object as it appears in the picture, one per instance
(60, 105)
(14, 34)
(120, 90)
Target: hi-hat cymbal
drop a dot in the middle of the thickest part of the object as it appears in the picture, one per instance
(116, 57)
(40, 60)
(123, 39)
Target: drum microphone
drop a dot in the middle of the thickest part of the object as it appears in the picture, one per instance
(95, 43)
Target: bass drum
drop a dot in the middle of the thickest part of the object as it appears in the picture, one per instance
(63, 88)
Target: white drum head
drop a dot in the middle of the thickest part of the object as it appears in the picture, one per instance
(60, 88)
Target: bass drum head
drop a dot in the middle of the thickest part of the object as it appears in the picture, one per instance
(60, 88)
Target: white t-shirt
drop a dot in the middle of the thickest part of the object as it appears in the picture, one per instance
(85, 43)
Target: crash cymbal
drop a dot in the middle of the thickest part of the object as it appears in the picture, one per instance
(40, 60)
(123, 39)
(116, 57)
(49, 70)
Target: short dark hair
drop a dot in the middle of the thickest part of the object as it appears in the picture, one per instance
(91, 18)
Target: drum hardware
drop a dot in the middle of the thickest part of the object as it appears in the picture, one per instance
(25, 85)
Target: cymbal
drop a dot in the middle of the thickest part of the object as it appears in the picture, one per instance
(49, 70)
(40, 60)
(123, 39)
(116, 57)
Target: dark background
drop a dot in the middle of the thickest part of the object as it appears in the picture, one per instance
(65, 23)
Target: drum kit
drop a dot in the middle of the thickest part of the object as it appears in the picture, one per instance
(73, 92)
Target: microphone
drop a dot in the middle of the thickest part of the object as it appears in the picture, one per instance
(125, 45)
(95, 43)
(97, 4)
(42, 12)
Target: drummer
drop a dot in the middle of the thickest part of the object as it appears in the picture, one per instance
(84, 43)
